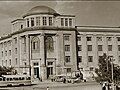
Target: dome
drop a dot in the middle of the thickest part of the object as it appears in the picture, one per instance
(40, 10)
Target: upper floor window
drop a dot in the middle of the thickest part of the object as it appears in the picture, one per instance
(70, 21)
(79, 47)
(118, 38)
(89, 38)
(15, 40)
(66, 37)
(37, 21)
(66, 21)
(5, 53)
(27, 22)
(99, 38)
(90, 58)
(109, 38)
(35, 43)
(62, 22)
(109, 47)
(44, 21)
(35, 63)
(32, 22)
(16, 61)
(21, 26)
(9, 52)
(67, 59)
(15, 50)
(78, 38)
(89, 47)
(50, 21)
(10, 61)
(118, 47)
(67, 47)
(99, 47)
(79, 58)
(2, 53)
(49, 43)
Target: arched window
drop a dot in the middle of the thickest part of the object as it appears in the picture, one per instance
(49, 43)
(35, 43)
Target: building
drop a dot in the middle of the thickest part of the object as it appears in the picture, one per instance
(45, 43)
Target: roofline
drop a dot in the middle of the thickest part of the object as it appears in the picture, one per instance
(68, 15)
(98, 26)
(16, 20)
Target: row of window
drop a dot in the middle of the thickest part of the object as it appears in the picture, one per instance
(9, 62)
(31, 21)
(66, 21)
(98, 38)
(89, 47)
(90, 58)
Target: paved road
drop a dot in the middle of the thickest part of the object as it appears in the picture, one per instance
(58, 86)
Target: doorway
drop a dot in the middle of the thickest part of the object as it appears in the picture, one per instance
(36, 72)
(49, 71)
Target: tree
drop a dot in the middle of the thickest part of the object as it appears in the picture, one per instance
(104, 71)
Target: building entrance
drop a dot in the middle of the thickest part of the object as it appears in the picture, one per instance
(49, 71)
(36, 72)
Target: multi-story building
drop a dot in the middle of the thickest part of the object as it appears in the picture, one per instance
(45, 43)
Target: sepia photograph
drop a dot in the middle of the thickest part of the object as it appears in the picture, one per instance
(59, 45)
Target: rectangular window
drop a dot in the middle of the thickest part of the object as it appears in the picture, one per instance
(66, 22)
(99, 47)
(5, 53)
(89, 38)
(109, 47)
(79, 58)
(89, 47)
(67, 59)
(2, 62)
(9, 52)
(2, 53)
(90, 58)
(68, 70)
(37, 21)
(62, 22)
(50, 21)
(35, 64)
(118, 38)
(32, 22)
(109, 38)
(66, 37)
(6, 62)
(70, 21)
(99, 38)
(79, 47)
(10, 61)
(16, 61)
(27, 22)
(67, 47)
(15, 40)
(15, 50)
(78, 38)
(118, 47)
(50, 63)
(44, 21)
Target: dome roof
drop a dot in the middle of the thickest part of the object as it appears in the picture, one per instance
(40, 10)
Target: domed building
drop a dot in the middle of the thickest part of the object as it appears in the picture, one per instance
(45, 43)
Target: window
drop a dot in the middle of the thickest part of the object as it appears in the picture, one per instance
(89, 47)
(109, 38)
(15, 50)
(32, 22)
(2, 62)
(35, 64)
(62, 22)
(118, 38)
(15, 40)
(66, 37)
(10, 61)
(50, 21)
(78, 38)
(24, 43)
(99, 38)
(68, 70)
(89, 38)
(67, 47)
(50, 63)
(70, 21)
(16, 61)
(44, 21)
(67, 59)
(35, 43)
(9, 52)
(6, 62)
(66, 22)
(37, 21)
(27, 22)
(5, 53)
(25, 63)
(99, 47)
(2, 53)
(49, 43)
(21, 26)
(91, 68)
(90, 58)
(79, 47)
(118, 47)
(109, 47)
(79, 58)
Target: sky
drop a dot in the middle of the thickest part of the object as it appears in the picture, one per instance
(88, 13)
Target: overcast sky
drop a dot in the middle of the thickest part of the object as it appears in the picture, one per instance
(100, 13)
